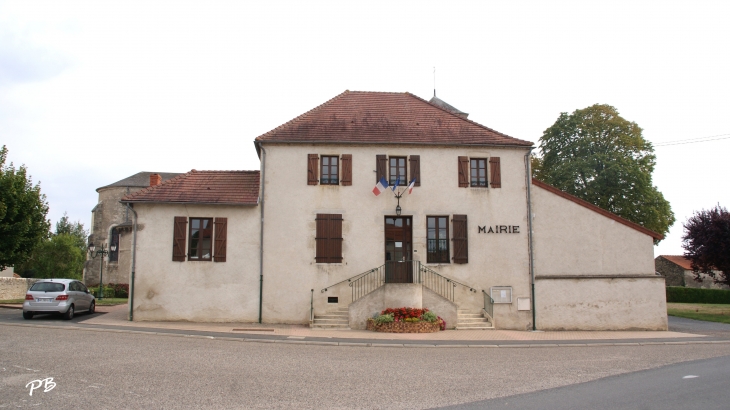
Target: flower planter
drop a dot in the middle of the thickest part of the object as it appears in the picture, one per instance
(404, 327)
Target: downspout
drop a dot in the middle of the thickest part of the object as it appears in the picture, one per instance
(528, 183)
(134, 259)
(261, 236)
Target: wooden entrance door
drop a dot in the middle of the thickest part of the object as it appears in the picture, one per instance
(398, 249)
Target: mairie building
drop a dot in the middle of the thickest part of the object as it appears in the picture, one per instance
(378, 200)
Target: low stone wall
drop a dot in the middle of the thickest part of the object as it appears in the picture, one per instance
(15, 288)
(404, 327)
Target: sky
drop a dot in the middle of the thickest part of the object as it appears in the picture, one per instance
(93, 92)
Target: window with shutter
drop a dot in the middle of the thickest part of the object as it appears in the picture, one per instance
(381, 167)
(460, 239)
(330, 170)
(200, 245)
(437, 242)
(221, 235)
(398, 171)
(478, 168)
(346, 169)
(329, 238)
(312, 169)
(178, 239)
(416, 169)
(463, 172)
(495, 172)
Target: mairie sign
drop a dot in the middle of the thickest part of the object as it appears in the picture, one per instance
(499, 229)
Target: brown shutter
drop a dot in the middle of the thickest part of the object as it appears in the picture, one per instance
(416, 169)
(329, 238)
(178, 239)
(346, 165)
(312, 169)
(221, 235)
(463, 172)
(381, 167)
(495, 173)
(460, 239)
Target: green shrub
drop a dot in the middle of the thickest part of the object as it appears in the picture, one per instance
(108, 292)
(678, 294)
(387, 318)
(429, 317)
(412, 319)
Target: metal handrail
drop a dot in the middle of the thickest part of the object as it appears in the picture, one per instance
(368, 282)
(311, 308)
(351, 278)
(488, 306)
(439, 283)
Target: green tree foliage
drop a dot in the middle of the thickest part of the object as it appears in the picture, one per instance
(23, 210)
(600, 157)
(60, 256)
(706, 243)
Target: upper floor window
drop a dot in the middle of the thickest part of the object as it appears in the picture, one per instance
(333, 170)
(473, 172)
(478, 172)
(398, 171)
(330, 171)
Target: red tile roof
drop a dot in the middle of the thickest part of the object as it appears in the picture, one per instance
(679, 260)
(594, 208)
(385, 118)
(204, 187)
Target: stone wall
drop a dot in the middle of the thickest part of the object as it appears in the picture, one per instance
(673, 273)
(14, 288)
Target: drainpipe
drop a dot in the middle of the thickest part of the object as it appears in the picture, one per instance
(528, 183)
(134, 259)
(261, 235)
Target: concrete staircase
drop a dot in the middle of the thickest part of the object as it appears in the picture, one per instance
(333, 320)
(472, 320)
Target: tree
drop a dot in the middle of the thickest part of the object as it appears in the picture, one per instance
(62, 255)
(600, 157)
(23, 210)
(706, 242)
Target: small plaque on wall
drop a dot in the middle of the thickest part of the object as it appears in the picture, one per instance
(523, 303)
(501, 294)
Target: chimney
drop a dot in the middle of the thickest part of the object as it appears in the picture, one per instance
(155, 179)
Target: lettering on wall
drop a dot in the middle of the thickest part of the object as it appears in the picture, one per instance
(499, 229)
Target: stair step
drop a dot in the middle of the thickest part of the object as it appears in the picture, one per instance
(332, 316)
(471, 322)
(330, 322)
(474, 327)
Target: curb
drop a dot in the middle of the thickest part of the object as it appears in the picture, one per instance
(375, 344)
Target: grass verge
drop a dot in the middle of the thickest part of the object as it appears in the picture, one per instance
(111, 301)
(700, 311)
(11, 301)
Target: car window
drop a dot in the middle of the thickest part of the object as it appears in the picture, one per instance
(82, 287)
(47, 287)
(73, 286)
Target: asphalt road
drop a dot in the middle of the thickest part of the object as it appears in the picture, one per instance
(106, 369)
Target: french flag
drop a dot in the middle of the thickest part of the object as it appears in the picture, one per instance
(410, 186)
(381, 186)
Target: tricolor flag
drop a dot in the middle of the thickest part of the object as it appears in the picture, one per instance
(397, 182)
(381, 186)
(410, 186)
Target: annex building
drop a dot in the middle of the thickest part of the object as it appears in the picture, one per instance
(457, 226)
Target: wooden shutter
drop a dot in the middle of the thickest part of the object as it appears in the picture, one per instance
(312, 169)
(381, 167)
(221, 234)
(346, 165)
(329, 238)
(179, 235)
(415, 169)
(495, 173)
(460, 239)
(463, 172)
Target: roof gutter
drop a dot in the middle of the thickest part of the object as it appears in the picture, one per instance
(194, 203)
(435, 144)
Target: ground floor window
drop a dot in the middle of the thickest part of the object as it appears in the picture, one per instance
(205, 239)
(437, 239)
(329, 238)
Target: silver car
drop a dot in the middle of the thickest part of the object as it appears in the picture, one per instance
(64, 296)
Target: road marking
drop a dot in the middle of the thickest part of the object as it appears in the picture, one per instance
(690, 376)
(25, 368)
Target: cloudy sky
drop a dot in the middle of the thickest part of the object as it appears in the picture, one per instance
(92, 92)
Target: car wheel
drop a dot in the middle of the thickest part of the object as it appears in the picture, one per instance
(28, 315)
(69, 313)
(92, 307)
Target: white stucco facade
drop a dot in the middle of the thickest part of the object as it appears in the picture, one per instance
(196, 291)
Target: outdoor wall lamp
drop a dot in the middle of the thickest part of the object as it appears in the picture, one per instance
(103, 252)
(397, 210)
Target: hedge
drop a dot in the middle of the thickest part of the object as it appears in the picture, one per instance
(678, 294)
